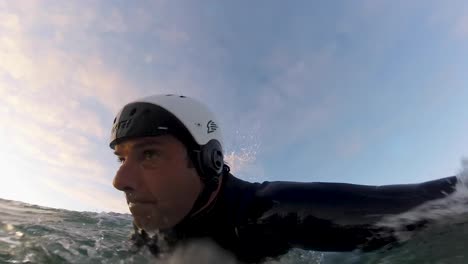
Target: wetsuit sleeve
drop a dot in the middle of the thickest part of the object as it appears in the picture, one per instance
(331, 216)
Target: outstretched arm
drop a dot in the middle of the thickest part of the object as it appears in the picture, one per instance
(332, 216)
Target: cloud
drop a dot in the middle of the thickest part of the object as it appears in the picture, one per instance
(349, 146)
(64, 73)
(64, 151)
(13, 61)
(93, 198)
(9, 22)
(115, 22)
(461, 27)
(54, 98)
(148, 58)
(174, 35)
(295, 103)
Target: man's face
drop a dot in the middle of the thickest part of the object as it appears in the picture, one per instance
(158, 179)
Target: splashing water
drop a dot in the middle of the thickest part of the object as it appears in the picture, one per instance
(243, 156)
(451, 209)
(34, 234)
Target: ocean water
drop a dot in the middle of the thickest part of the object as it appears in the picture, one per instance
(35, 234)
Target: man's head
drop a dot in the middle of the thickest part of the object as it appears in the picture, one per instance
(169, 147)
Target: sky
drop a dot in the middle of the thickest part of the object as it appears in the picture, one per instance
(366, 92)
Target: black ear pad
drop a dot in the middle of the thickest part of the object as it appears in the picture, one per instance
(211, 158)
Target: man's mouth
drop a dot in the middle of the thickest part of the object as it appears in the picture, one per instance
(132, 204)
(140, 202)
(141, 208)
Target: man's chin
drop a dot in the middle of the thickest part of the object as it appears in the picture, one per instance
(151, 223)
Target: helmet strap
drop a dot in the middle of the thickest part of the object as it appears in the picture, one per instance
(209, 177)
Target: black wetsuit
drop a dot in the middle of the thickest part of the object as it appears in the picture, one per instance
(255, 221)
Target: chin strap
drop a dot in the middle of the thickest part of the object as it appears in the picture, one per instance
(211, 185)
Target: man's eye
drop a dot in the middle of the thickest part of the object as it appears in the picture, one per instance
(149, 154)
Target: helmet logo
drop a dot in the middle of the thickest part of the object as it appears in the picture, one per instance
(121, 125)
(211, 126)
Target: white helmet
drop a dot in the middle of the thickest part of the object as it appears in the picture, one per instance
(185, 118)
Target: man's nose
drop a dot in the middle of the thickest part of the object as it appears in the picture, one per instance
(126, 177)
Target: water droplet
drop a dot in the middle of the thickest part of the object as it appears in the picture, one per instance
(8, 227)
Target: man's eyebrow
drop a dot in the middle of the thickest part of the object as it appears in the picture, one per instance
(147, 143)
(142, 144)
